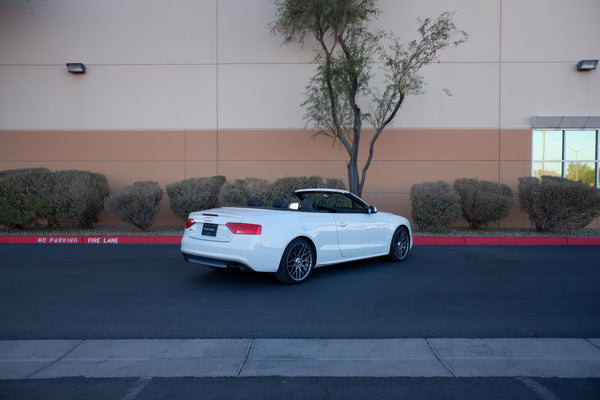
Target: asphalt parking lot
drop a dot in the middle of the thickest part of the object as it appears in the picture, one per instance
(443, 305)
(145, 291)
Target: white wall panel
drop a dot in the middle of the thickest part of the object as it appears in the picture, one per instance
(245, 35)
(480, 19)
(109, 32)
(546, 89)
(171, 64)
(550, 30)
(269, 97)
(457, 96)
(262, 96)
(109, 97)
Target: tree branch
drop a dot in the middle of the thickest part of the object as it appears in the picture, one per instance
(376, 136)
(331, 93)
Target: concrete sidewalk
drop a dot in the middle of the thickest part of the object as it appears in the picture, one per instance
(527, 357)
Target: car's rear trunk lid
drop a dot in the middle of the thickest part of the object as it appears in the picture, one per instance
(212, 224)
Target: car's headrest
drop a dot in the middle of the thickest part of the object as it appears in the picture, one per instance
(306, 205)
(253, 202)
(279, 202)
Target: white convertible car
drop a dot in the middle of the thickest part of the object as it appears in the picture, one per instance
(325, 226)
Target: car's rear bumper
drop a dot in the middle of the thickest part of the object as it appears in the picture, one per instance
(244, 251)
(216, 262)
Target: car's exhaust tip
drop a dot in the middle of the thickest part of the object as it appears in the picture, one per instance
(237, 267)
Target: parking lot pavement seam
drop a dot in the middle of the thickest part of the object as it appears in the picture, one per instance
(593, 342)
(243, 364)
(137, 388)
(537, 388)
(437, 356)
(530, 357)
(59, 359)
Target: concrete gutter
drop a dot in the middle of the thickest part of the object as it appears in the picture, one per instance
(419, 240)
(439, 357)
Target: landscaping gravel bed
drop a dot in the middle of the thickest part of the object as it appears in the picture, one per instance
(508, 232)
(97, 230)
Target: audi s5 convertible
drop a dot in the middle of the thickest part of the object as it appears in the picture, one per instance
(324, 227)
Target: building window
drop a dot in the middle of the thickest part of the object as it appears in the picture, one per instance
(571, 154)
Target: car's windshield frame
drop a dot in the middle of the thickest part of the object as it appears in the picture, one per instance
(334, 201)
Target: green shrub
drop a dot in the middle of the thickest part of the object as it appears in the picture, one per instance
(335, 183)
(236, 193)
(285, 187)
(435, 205)
(554, 203)
(194, 194)
(483, 202)
(25, 196)
(138, 204)
(78, 197)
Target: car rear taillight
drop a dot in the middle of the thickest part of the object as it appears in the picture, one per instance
(189, 223)
(244, 229)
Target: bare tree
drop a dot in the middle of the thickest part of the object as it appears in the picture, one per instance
(349, 57)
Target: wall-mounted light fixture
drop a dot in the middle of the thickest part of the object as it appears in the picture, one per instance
(587, 65)
(76, 68)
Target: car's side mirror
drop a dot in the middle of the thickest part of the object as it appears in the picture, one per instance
(372, 210)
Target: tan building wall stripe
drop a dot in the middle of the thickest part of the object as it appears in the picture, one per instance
(402, 158)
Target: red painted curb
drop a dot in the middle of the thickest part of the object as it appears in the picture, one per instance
(26, 239)
(132, 239)
(496, 241)
(422, 240)
(439, 241)
(91, 239)
(491, 241)
(584, 241)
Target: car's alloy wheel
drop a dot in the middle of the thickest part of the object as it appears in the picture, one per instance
(297, 262)
(400, 244)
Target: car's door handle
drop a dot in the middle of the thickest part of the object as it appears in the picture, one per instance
(343, 224)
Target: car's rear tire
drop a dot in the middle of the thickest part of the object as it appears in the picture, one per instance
(400, 245)
(296, 263)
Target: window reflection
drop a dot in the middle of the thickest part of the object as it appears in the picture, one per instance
(547, 145)
(547, 168)
(580, 145)
(581, 172)
(572, 154)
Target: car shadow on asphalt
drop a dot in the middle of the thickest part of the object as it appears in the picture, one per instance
(240, 279)
(232, 279)
(351, 267)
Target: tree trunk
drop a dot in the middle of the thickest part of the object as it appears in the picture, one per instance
(353, 177)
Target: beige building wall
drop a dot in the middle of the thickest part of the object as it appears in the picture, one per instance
(404, 157)
(183, 88)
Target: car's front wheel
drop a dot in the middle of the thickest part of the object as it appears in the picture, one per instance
(296, 263)
(400, 244)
